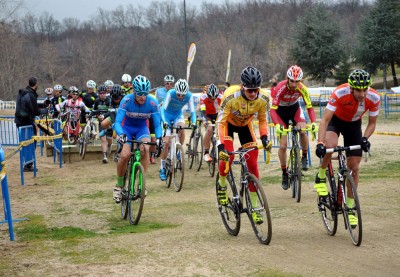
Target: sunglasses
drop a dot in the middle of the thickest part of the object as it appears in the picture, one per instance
(180, 95)
(75, 94)
(252, 90)
(170, 84)
(102, 92)
(141, 93)
(293, 81)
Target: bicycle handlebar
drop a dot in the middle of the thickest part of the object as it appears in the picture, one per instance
(307, 129)
(348, 148)
(245, 150)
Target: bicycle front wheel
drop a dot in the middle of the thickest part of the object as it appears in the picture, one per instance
(211, 165)
(137, 194)
(179, 169)
(190, 152)
(327, 205)
(198, 151)
(355, 229)
(84, 142)
(262, 227)
(126, 191)
(296, 174)
(230, 213)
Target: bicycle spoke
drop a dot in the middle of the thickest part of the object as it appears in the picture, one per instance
(125, 191)
(326, 206)
(355, 229)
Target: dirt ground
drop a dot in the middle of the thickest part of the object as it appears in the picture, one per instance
(192, 240)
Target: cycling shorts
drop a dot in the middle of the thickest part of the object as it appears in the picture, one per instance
(211, 117)
(151, 126)
(293, 113)
(138, 132)
(246, 134)
(172, 117)
(351, 131)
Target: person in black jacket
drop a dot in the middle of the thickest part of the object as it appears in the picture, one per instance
(27, 109)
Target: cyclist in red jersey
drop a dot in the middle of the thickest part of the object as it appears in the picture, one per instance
(286, 107)
(343, 114)
(209, 106)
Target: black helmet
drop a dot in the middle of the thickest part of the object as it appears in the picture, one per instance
(359, 79)
(116, 91)
(102, 88)
(251, 77)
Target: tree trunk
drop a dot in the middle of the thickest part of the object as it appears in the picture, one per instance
(395, 82)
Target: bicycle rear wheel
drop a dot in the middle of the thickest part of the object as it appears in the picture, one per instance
(179, 169)
(212, 164)
(198, 151)
(84, 141)
(126, 191)
(356, 229)
(137, 195)
(263, 229)
(296, 174)
(230, 213)
(327, 205)
(71, 134)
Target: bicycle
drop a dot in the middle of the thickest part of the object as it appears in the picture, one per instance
(175, 163)
(230, 213)
(335, 202)
(213, 151)
(134, 189)
(71, 127)
(294, 163)
(86, 136)
(195, 141)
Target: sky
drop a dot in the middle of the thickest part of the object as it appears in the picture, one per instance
(84, 9)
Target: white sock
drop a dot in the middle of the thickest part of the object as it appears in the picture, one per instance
(162, 164)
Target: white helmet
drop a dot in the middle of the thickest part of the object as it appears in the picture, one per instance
(91, 84)
(212, 91)
(126, 78)
(109, 83)
(181, 86)
(169, 79)
(48, 91)
(58, 87)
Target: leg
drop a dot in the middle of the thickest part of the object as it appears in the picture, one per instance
(207, 140)
(145, 155)
(283, 161)
(304, 146)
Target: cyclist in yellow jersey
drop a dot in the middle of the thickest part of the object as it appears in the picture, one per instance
(238, 106)
(126, 84)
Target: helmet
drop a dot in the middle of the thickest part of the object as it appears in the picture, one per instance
(169, 79)
(141, 84)
(212, 91)
(109, 83)
(116, 91)
(181, 86)
(48, 91)
(251, 77)
(359, 79)
(58, 87)
(91, 84)
(126, 78)
(102, 88)
(295, 73)
(73, 89)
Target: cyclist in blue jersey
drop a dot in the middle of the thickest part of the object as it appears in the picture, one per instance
(133, 112)
(161, 92)
(172, 110)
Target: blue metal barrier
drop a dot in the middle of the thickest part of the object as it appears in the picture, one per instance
(57, 149)
(27, 153)
(6, 196)
(391, 103)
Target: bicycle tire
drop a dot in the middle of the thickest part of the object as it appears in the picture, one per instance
(230, 214)
(263, 230)
(327, 205)
(211, 165)
(179, 169)
(190, 153)
(126, 190)
(84, 141)
(297, 175)
(137, 195)
(169, 173)
(354, 230)
(71, 138)
(199, 153)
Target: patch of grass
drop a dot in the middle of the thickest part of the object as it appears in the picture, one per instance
(89, 211)
(119, 226)
(35, 229)
(97, 194)
(389, 169)
(274, 273)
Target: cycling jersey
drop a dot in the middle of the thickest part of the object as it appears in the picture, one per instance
(88, 99)
(101, 106)
(208, 105)
(73, 106)
(172, 107)
(132, 117)
(347, 108)
(161, 93)
(127, 90)
(238, 111)
(283, 96)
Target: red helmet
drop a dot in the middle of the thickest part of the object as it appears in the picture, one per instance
(295, 73)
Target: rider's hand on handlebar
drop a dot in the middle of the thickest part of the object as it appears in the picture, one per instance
(165, 126)
(365, 144)
(194, 126)
(266, 143)
(320, 151)
(122, 139)
(160, 143)
(222, 153)
(278, 130)
(314, 127)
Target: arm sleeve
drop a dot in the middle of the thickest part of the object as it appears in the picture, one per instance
(118, 121)
(275, 117)
(192, 110)
(223, 120)
(262, 120)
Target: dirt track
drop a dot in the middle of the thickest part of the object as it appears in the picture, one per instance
(192, 240)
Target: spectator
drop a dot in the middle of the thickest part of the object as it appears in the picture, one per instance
(27, 109)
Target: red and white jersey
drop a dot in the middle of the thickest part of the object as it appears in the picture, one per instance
(208, 105)
(73, 106)
(347, 108)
